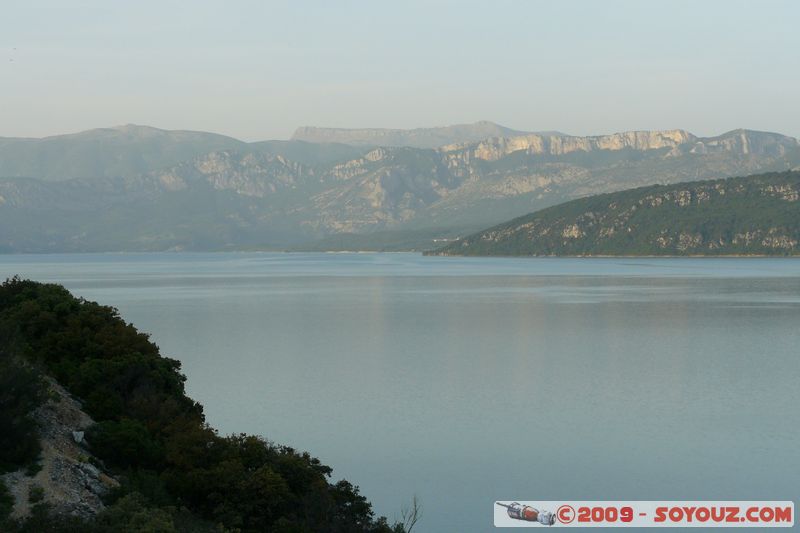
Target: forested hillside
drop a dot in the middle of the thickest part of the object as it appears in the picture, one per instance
(169, 469)
(754, 215)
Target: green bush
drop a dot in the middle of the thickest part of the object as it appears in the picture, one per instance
(21, 391)
(35, 494)
(132, 515)
(126, 443)
(6, 503)
(42, 520)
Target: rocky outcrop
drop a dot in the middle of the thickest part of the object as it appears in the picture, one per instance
(246, 174)
(69, 480)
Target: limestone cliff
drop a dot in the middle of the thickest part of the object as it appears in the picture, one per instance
(535, 144)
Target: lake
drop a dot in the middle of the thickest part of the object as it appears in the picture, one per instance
(469, 380)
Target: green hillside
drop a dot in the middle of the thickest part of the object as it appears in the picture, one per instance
(175, 473)
(753, 215)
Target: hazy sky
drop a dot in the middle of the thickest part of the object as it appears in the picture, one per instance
(256, 70)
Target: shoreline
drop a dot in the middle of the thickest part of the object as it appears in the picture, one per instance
(415, 252)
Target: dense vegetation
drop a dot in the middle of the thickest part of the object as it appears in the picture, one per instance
(21, 391)
(177, 473)
(754, 215)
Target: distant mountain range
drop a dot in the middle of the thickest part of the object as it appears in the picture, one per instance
(131, 150)
(754, 215)
(141, 188)
(414, 138)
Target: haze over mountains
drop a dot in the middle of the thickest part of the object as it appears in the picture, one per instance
(414, 138)
(130, 150)
(141, 188)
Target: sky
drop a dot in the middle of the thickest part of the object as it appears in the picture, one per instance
(256, 70)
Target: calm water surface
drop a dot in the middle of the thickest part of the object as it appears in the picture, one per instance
(466, 381)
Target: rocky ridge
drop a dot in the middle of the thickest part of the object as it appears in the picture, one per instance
(537, 144)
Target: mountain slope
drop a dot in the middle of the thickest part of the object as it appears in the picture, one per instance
(750, 215)
(131, 150)
(107, 152)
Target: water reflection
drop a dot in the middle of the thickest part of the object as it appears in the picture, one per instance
(471, 380)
